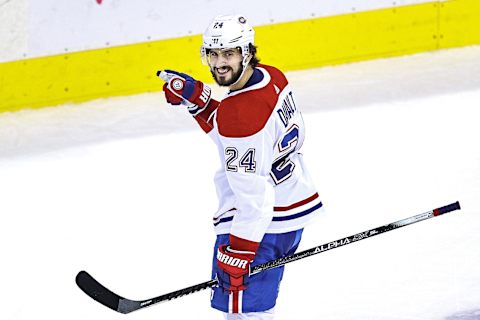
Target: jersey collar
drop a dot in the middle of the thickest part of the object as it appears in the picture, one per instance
(259, 79)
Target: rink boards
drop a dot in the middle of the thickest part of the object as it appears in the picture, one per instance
(291, 45)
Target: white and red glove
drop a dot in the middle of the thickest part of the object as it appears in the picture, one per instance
(233, 263)
(180, 88)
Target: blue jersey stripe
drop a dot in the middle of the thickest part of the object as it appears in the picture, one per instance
(223, 220)
(285, 218)
(298, 215)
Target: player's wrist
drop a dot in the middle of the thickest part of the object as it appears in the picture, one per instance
(195, 109)
(240, 244)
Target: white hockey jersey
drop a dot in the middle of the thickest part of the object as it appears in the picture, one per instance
(263, 185)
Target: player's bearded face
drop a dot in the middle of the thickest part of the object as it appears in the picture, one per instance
(225, 65)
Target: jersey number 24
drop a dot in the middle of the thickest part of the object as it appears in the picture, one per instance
(281, 169)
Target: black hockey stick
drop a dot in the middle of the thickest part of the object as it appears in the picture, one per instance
(98, 292)
(117, 303)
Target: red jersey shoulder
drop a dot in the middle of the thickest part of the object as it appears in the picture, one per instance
(277, 76)
(246, 113)
(243, 115)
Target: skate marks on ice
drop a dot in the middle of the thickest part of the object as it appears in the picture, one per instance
(465, 315)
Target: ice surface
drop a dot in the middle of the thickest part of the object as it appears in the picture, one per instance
(123, 188)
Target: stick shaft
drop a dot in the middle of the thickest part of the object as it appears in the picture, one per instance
(354, 238)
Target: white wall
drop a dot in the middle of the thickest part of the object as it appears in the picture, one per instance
(32, 28)
(13, 29)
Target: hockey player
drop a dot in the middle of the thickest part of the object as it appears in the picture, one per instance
(266, 195)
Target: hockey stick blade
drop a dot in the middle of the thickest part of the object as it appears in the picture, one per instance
(101, 294)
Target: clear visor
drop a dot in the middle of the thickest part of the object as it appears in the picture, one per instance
(212, 57)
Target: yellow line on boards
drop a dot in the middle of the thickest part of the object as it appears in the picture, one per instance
(130, 69)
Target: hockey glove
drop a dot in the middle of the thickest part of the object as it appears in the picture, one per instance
(233, 268)
(180, 88)
(233, 263)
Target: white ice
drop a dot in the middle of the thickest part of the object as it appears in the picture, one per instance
(123, 188)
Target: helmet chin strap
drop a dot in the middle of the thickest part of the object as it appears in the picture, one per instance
(245, 62)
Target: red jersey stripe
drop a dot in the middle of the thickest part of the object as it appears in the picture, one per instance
(297, 204)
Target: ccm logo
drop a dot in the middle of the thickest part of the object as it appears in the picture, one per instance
(231, 261)
(177, 84)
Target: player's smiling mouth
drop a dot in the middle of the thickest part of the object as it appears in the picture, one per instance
(223, 70)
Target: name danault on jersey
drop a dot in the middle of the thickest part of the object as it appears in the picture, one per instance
(288, 109)
(262, 113)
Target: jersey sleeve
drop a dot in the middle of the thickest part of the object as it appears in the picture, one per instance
(205, 117)
(245, 134)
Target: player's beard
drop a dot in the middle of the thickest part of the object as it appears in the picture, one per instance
(222, 81)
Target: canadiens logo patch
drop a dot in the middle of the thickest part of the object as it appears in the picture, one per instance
(177, 84)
